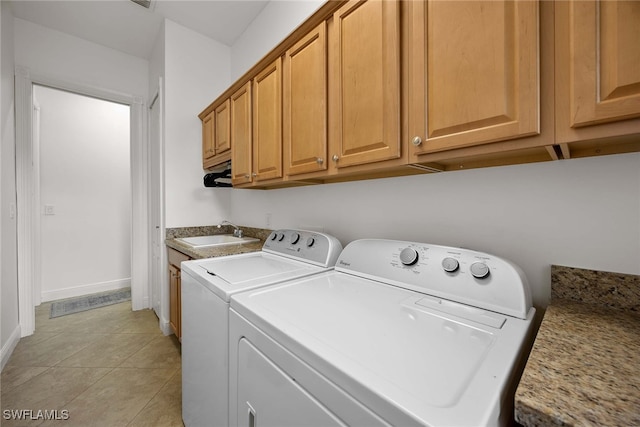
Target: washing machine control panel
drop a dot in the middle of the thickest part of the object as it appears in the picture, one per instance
(310, 246)
(454, 274)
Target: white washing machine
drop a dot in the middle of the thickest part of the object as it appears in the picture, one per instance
(399, 334)
(207, 285)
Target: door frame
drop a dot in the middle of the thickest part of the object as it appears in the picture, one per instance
(158, 265)
(28, 219)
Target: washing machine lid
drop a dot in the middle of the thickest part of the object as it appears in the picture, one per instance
(432, 360)
(238, 273)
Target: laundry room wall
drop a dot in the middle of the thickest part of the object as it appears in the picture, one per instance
(58, 55)
(581, 212)
(196, 71)
(85, 193)
(9, 327)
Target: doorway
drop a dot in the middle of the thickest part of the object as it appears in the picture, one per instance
(82, 148)
(26, 178)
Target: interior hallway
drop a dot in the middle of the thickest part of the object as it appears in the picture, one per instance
(108, 366)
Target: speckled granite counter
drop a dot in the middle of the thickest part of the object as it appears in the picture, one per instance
(212, 252)
(584, 368)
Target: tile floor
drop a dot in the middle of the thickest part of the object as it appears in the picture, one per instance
(108, 366)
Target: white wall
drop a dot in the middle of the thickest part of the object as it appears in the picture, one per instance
(9, 327)
(581, 213)
(156, 64)
(85, 176)
(276, 21)
(58, 55)
(196, 72)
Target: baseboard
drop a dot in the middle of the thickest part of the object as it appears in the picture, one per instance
(81, 290)
(9, 346)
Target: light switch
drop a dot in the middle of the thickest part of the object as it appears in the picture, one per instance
(49, 210)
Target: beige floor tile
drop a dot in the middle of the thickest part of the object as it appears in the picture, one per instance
(165, 409)
(52, 389)
(161, 353)
(21, 419)
(37, 338)
(90, 321)
(108, 351)
(51, 351)
(117, 398)
(13, 376)
(79, 352)
(140, 322)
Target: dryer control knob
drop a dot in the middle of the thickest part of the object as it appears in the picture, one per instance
(295, 237)
(310, 241)
(479, 270)
(408, 256)
(450, 264)
(280, 237)
(273, 236)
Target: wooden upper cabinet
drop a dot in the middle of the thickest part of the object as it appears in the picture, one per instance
(597, 68)
(216, 138)
(240, 110)
(473, 72)
(267, 123)
(364, 83)
(208, 144)
(222, 136)
(305, 104)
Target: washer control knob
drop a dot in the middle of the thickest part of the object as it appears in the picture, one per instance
(479, 270)
(450, 264)
(273, 236)
(408, 256)
(310, 241)
(280, 237)
(295, 237)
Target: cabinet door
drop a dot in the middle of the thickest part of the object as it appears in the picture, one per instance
(241, 135)
(222, 129)
(174, 299)
(597, 63)
(365, 83)
(473, 72)
(208, 148)
(305, 104)
(267, 123)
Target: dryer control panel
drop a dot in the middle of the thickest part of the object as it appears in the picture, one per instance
(461, 275)
(317, 248)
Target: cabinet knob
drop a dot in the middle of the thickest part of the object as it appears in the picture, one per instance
(319, 160)
(246, 176)
(254, 174)
(416, 141)
(335, 158)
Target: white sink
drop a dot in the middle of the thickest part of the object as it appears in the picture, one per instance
(215, 240)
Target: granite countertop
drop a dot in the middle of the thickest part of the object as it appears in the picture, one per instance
(584, 368)
(212, 252)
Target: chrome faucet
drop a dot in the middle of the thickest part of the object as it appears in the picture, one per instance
(237, 232)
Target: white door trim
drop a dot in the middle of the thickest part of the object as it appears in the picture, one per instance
(158, 278)
(27, 218)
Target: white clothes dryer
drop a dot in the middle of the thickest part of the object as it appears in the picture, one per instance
(398, 334)
(208, 284)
